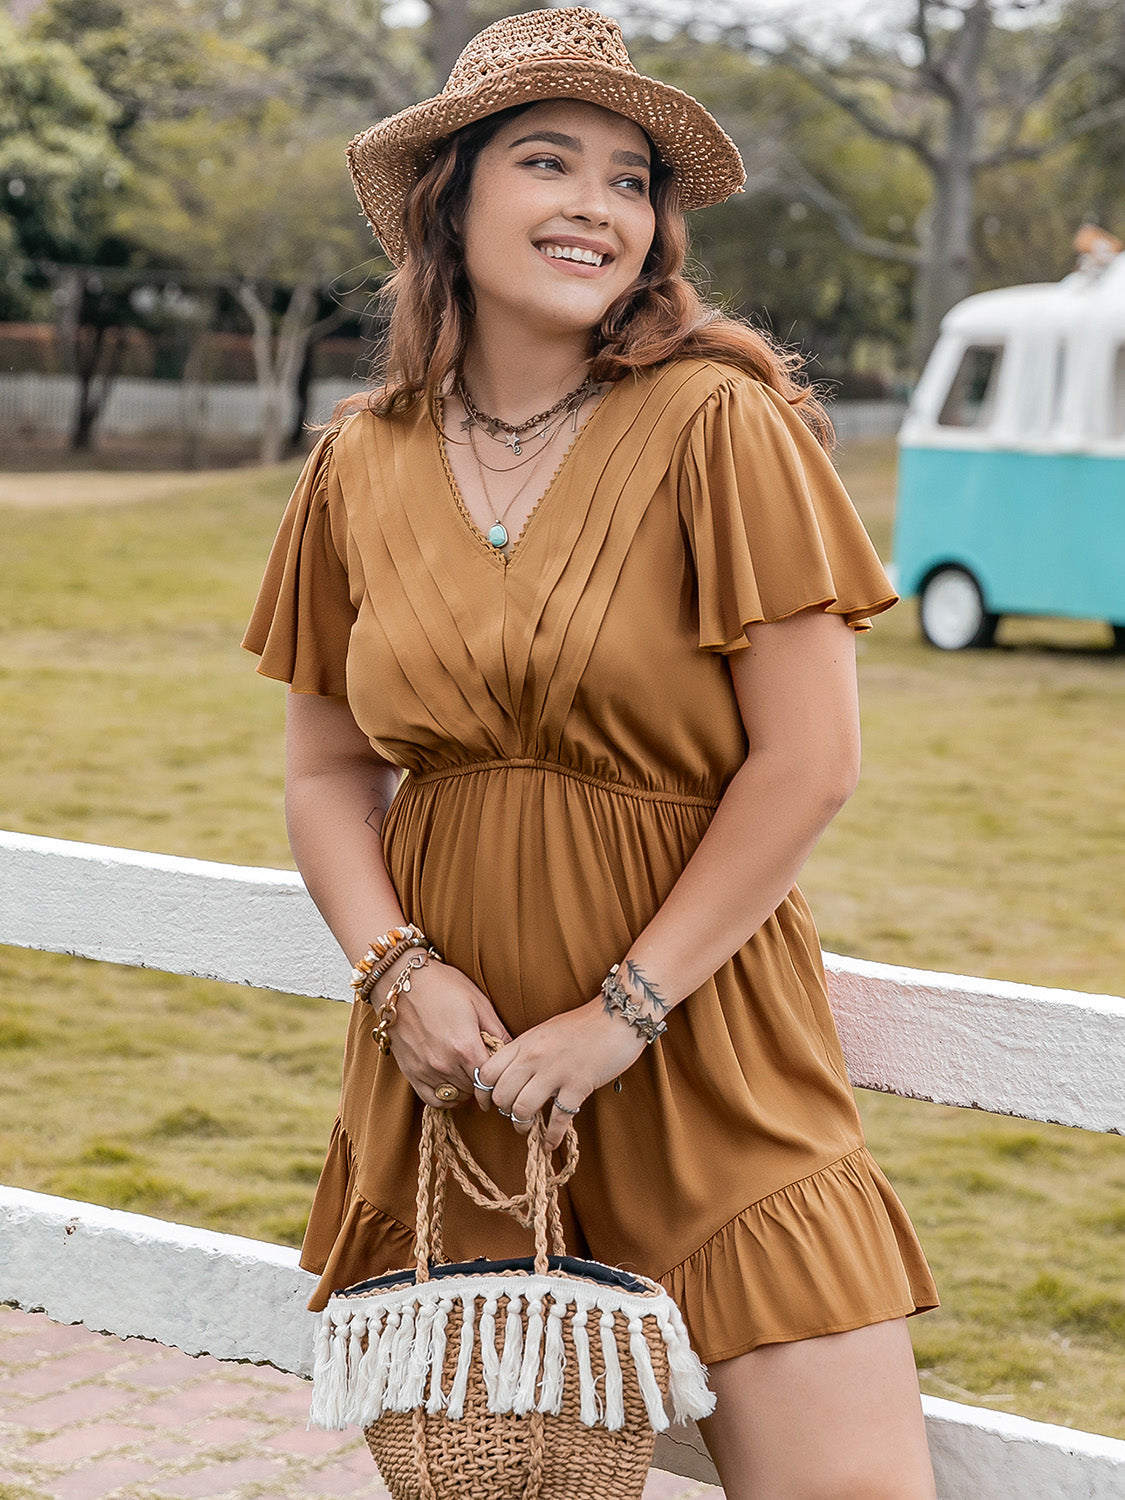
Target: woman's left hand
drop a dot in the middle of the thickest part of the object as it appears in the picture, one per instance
(563, 1059)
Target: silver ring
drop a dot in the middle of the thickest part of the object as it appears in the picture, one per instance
(485, 1088)
(505, 1113)
(515, 1119)
(563, 1109)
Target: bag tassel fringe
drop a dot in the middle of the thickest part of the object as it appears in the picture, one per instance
(390, 1355)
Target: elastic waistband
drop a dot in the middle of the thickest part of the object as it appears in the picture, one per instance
(553, 768)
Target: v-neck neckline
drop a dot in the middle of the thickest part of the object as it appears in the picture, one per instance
(501, 559)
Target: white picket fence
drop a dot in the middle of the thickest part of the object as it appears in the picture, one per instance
(1041, 1054)
(35, 406)
(38, 406)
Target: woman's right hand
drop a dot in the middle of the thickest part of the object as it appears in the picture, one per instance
(436, 1035)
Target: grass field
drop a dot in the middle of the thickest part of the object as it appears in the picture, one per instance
(986, 838)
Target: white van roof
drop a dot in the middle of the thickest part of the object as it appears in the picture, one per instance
(1094, 296)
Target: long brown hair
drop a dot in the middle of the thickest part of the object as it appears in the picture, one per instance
(661, 317)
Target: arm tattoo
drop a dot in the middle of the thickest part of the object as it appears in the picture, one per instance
(646, 988)
(374, 818)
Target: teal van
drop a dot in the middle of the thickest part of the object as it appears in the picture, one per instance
(1011, 488)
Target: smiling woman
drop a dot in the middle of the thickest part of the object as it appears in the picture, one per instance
(580, 567)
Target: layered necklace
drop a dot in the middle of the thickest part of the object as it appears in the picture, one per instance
(536, 432)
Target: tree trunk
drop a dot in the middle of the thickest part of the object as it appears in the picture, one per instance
(945, 275)
(95, 379)
(451, 26)
(194, 391)
(947, 268)
(277, 360)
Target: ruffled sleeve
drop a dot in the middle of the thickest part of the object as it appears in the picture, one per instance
(304, 613)
(771, 528)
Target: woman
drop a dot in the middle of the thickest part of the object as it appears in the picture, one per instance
(582, 569)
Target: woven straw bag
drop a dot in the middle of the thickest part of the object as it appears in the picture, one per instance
(535, 1379)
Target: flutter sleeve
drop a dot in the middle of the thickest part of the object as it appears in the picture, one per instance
(303, 616)
(771, 528)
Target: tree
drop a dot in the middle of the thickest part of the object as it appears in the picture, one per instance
(772, 251)
(1092, 94)
(145, 60)
(59, 166)
(262, 205)
(340, 58)
(155, 60)
(966, 86)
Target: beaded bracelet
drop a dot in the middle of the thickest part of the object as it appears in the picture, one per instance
(385, 1016)
(381, 954)
(617, 999)
(386, 964)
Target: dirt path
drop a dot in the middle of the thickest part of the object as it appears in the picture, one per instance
(59, 489)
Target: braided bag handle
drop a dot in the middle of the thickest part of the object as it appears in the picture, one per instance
(443, 1152)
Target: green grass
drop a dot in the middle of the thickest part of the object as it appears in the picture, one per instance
(985, 839)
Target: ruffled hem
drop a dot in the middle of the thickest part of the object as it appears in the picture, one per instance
(830, 1253)
(362, 1242)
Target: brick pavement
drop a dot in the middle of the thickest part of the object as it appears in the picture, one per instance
(84, 1416)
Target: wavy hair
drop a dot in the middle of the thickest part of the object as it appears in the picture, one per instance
(661, 317)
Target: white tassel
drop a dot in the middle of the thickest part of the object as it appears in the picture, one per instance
(363, 1377)
(330, 1400)
(400, 1361)
(322, 1344)
(614, 1383)
(589, 1406)
(375, 1404)
(357, 1340)
(459, 1389)
(437, 1356)
(513, 1353)
(413, 1391)
(646, 1375)
(529, 1370)
(489, 1359)
(554, 1359)
(688, 1378)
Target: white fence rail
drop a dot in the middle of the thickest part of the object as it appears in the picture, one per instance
(1016, 1049)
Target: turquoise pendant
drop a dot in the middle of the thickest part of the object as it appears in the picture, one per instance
(497, 536)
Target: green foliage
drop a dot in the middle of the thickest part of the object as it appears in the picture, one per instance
(1093, 99)
(263, 195)
(340, 59)
(155, 60)
(774, 253)
(59, 167)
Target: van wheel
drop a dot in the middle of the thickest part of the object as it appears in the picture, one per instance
(1118, 639)
(952, 611)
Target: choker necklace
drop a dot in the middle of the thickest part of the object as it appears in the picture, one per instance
(510, 434)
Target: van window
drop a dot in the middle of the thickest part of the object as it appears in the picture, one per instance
(1117, 396)
(972, 395)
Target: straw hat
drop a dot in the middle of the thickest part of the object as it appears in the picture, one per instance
(545, 54)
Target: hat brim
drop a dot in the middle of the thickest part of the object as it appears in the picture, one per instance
(386, 159)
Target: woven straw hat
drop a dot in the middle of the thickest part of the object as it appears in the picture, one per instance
(545, 54)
